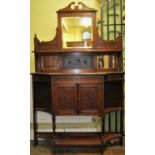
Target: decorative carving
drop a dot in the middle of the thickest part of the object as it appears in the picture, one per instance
(89, 98)
(78, 62)
(77, 79)
(49, 62)
(77, 98)
(106, 44)
(119, 41)
(65, 98)
(76, 8)
(46, 45)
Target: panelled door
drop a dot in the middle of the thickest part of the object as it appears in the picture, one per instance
(77, 96)
(89, 98)
(65, 101)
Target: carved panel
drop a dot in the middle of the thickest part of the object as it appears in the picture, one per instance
(49, 62)
(78, 79)
(89, 98)
(65, 98)
(77, 95)
(78, 62)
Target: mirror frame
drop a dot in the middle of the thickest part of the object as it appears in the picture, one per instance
(73, 10)
(77, 33)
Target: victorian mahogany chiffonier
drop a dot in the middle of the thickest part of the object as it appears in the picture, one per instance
(78, 73)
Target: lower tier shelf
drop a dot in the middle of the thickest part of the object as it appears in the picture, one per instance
(78, 138)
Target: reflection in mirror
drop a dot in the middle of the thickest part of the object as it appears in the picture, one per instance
(77, 32)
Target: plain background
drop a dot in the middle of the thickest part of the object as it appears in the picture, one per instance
(15, 77)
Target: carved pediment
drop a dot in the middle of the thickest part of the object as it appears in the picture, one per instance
(72, 7)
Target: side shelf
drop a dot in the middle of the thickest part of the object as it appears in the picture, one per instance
(79, 138)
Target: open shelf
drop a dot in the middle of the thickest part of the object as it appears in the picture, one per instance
(110, 136)
(79, 138)
(44, 109)
(112, 109)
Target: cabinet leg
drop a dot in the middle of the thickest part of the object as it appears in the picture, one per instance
(54, 123)
(54, 133)
(121, 141)
(51, 146)
(102, 133)
(35, 143)
(102, 120)
(122, 126)
(35, 128)
(101, 152)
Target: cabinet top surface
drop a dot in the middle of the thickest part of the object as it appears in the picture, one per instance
(89, 73)
(83, 50)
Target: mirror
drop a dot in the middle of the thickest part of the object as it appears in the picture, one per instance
(77, 32)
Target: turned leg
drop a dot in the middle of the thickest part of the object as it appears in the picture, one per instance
(35, 128)
(54, 123)
(54, 133)
(121, 127)
(103, 126)
(102, 133)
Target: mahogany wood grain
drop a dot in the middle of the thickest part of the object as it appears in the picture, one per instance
(68, 81)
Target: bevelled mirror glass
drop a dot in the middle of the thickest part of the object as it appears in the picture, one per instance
(77, 32)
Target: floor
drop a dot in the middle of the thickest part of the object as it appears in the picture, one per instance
(43, 149)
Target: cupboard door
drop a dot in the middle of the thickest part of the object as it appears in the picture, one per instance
(64, 98)
(90, 98)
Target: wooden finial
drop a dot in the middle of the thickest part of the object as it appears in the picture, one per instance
(35, 35)
(119, 33)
